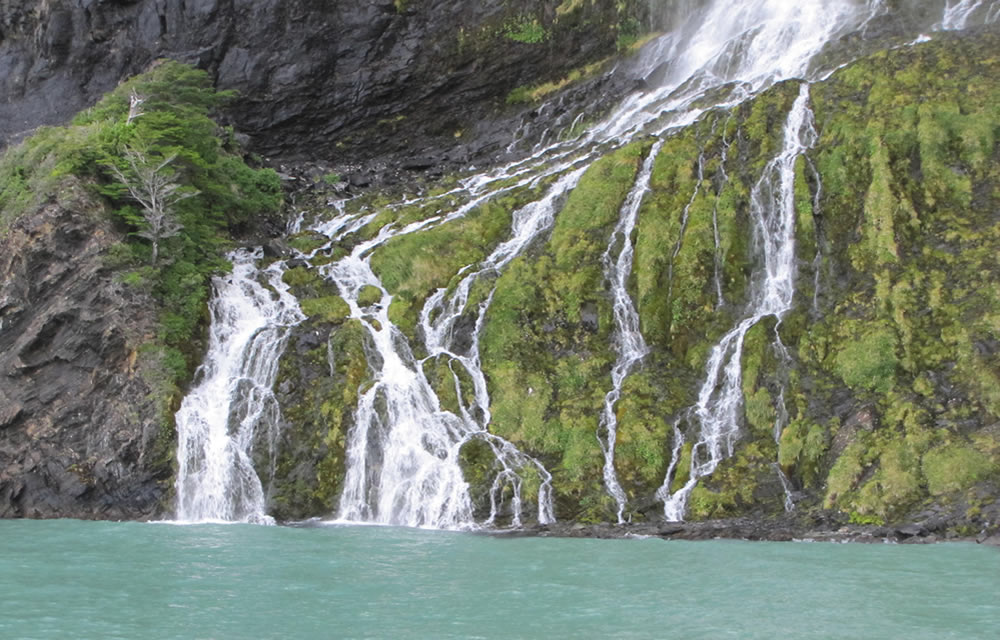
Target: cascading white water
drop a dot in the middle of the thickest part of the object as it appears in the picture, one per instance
(403, 453)
(218, 420)
(747, 48)
(403, 460)
(716, 418)
(959, 13)
(438, 319)
(629, 343)
(735, 52)
(716, 238)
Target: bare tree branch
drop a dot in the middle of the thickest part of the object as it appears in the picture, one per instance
(149, 184)
(134, 107)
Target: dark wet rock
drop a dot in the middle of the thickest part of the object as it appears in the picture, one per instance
(277, 248)
(819, 526)
(358, 79)
(589, 317)
(359, 179)
(79, 425)
(419, 163)
(992, 541)
(910, 530)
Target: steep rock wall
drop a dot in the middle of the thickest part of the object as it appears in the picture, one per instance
(79, 426)
(356, 79)
(891, 375)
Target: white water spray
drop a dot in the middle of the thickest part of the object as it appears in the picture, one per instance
(716, 418)
(220, 418)
(629, 343)
(959, 13)
(403, 453)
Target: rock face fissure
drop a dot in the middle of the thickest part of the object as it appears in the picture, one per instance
(714, 423)
(226, 413)
(79, 434)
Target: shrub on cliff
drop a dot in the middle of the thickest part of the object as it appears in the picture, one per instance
(167, 112)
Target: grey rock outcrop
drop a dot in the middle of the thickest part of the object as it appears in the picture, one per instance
(347, 78)
(78, 426)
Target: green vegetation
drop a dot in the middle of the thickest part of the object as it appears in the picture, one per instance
(955, 467)
(311, 457)
(171, 107)
(868, 361)
(526, 30)
(326, 309)
(545, 346)
(890, 377)
(538, 93)
(905, 137)
(413, 266)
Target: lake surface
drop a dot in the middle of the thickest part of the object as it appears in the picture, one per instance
(72, 579)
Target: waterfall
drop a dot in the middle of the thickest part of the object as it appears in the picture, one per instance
(716, 417)
(735, 52)
(958, 13)
(403, 451)
(629, 343)
(219, 418)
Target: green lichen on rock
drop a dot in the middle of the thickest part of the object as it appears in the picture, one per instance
(545, 346)
(413, 266)
(318, 388)
(908, 214)
(874, 395)
(327, 308)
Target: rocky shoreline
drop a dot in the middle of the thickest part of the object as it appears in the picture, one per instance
(792, 527)
(788, 528)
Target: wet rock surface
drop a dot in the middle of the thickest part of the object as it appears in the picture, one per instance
(401, 82)
(78, 432)
(824, 527)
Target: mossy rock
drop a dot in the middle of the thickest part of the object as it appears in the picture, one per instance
(369, 295)
(327, 309)
(307, 241)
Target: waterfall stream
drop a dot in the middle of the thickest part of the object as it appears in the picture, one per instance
(958, 14)
(218, 420)
(403, 465)
(717, 416)
(403, 451)
(629, 343)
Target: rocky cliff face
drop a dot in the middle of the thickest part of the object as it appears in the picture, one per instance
(78, 428)
(345, 80)
(81, 411)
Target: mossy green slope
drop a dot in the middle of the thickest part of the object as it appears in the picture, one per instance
(893, 385)
(910, 216)
(546, 345)
(894, 372)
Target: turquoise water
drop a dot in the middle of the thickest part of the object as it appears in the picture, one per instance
(71, 579)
